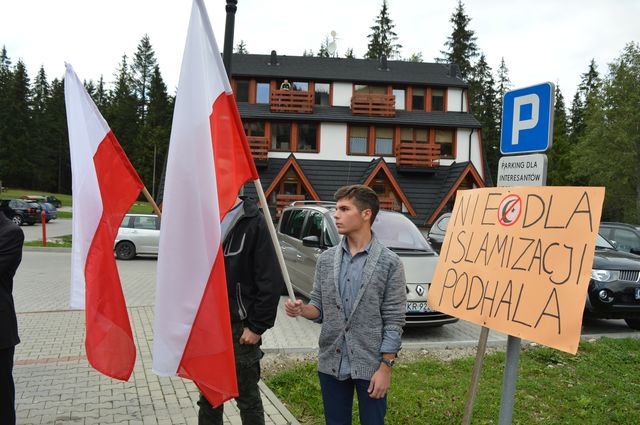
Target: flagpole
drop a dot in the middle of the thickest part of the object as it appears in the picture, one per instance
(147, 195)
(274, 238)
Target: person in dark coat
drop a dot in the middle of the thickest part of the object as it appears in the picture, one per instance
(254, 284)
(11, 239)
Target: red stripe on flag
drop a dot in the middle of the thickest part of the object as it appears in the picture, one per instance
(208, 356)
(109, 341)
(233, 160)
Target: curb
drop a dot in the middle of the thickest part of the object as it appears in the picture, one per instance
(277, 403)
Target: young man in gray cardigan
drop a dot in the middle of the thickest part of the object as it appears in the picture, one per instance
(359, 296)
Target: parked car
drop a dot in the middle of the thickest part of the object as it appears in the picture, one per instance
(438, 230)
(306, 229)
(50, 211)
(614, 288)
(21, 211)
(138, 234)
(43, 198)
(626, 237)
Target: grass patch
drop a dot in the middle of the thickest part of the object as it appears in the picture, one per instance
(139, 207)
(600, 385)
(57, 242)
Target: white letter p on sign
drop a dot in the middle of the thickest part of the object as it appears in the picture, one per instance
(526, 124)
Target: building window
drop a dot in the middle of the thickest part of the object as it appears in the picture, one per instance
(417, 99)
(321, 94)
(307, 137)
(411, 135)
(262, 92)
(363, 89)
(399, 94)
(242, 90)
(445, 139)
(300, 86)
(437, 100)
(384, 141)
(358, 140)
(281, 136)
(254, 128)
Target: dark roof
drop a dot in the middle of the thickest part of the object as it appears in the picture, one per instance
(343, 69)
(424, 191)
(343, 114)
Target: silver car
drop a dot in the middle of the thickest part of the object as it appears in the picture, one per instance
(306, 229)
(138, 234)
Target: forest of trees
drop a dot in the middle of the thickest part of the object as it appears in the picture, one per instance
(596, 139)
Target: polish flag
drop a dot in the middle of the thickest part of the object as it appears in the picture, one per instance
(209, 161)
(104, 185)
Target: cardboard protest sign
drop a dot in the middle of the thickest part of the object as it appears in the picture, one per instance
(518, 260)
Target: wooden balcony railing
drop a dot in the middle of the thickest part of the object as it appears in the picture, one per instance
(379, 105)
(291, 101)
(259, 147)
(386, 203)
(414, 154)
(284, 200)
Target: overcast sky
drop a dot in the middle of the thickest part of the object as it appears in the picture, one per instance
(540, 40)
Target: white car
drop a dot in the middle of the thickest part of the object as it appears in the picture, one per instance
(138, 234)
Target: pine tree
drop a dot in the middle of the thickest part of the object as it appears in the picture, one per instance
(122, 111)
(241, 48)
(349, 53)
(382, 41)
(324, 49)
(144, 62)
(59, 137)
(559, 155)
(503, 85)
(17, 147)
(6, 77)
(44, 154)
(461, 44)
(484, 107)
(416, 57)
(589, 83)
(154, 136)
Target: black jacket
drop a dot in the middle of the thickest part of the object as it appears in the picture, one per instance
(254, 279)
(11, 239)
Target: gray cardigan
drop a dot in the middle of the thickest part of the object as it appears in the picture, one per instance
(380, 305)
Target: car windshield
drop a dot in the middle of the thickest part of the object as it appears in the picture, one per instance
(602, 243)
(397, 232)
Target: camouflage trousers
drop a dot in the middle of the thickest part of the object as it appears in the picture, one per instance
(248, 374)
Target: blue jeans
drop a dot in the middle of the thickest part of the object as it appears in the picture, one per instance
(337, 397)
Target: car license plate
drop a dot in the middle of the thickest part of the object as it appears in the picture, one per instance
(417, 307)
(637, 293)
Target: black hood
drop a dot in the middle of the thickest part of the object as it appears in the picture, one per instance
(609, 259)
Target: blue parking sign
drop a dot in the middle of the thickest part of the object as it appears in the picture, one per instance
(527, 119)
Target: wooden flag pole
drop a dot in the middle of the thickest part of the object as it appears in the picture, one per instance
(151, 201)
(274, 238)
(475, 376)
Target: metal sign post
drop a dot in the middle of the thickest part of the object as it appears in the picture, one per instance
(527, 127)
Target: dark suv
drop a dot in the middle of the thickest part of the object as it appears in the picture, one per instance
(20, 211)
(626, 237)
(308, 228)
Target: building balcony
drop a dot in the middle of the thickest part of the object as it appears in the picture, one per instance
(291, 101)
(259, 147)
(378, 105)
(417, 155)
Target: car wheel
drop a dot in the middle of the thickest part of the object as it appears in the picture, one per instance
(17, 219)
(125, 250)
(633, 323)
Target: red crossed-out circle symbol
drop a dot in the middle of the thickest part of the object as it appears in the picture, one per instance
(509, 210)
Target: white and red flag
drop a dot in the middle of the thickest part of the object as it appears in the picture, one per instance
(209, 161)
(104, 185)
